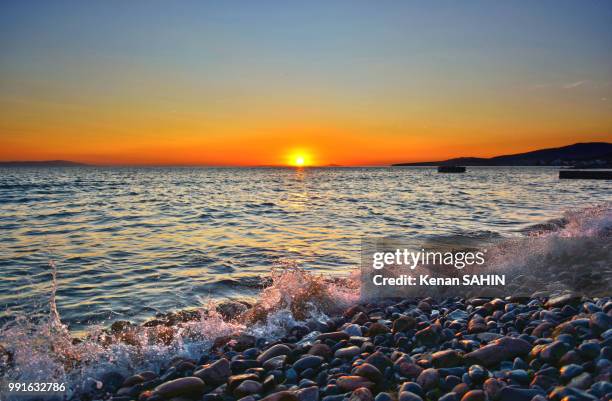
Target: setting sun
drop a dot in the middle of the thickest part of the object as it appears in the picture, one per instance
(299, 158)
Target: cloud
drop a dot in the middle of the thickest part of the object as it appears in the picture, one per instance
(573, 85)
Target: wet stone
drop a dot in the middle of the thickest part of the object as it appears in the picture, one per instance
(370, 372)
(560, 301)
(278, 362)
(477, 374)
(409, 396)
(376, 329)
(380, 360)
(275, 350)
(553, 352)
(361, 394)
(348, 352)
(502, 349)
(428, 379)
(446, 359)
(234, 381)
(281, 396)
(511, 393)
(186, 386)
(353, 330)
(582, 381)
(307, 362)
(474, 395)
(492, 387)
(240, 365)
(449, 397)
(321, 350)
(570, 371)
(403, 323)
(411, 387)
(350, 383)
(428, 336)
(589, 350)
(132, 380)
(215, 373)
(334, 336)
(308, 394)
(247, 387)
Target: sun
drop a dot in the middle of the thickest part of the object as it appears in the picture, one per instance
(299, 158)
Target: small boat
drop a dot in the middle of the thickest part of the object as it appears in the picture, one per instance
(585, 174)
(451, 169)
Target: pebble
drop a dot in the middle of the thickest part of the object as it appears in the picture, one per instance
(321, 350)
(492, 387)
(183, 387)
(553, 352)
(408, 396)
(353, 330)
(275, 350)
(511, 393)
(307, 362)
(277, 362)
(403, 323)
(361, 394)
(446, 359)
(380, 360)
(247, 387)
(474, 395)
(512, 349)
(499, 350)
(281, 396)
(348, 352)
(370, 372)
(383, 397)
(377, 329)
(234, 381)
(308, 394)
(350, 383)
(570, 371)
(477, 374)
(335, 336)
(428, 379)
(582, 381)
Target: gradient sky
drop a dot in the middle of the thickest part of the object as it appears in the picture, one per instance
(344, 82)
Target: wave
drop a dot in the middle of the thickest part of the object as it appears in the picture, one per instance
(593, 221)
(45, 350)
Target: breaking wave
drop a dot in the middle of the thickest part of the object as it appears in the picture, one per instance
(46, 350)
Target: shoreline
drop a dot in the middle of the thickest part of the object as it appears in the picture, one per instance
(508, 350)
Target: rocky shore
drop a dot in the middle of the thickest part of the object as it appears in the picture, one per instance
(513, 349)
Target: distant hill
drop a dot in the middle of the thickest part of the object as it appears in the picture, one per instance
(586, 155)
(45, 163)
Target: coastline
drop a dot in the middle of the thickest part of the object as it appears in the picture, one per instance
(407, 350)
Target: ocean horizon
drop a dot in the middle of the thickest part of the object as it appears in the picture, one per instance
(130, 243)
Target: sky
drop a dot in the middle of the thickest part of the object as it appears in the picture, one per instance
(266, 82)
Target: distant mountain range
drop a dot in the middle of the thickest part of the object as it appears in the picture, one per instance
(46, 163)
(583, 155)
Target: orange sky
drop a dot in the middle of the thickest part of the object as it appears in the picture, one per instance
(254, 85)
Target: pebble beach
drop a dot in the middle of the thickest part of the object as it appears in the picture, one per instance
(513, 349)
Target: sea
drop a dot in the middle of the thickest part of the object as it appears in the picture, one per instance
(128, 243)
(83, 247)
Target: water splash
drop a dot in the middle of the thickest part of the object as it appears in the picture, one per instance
(45, 350)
